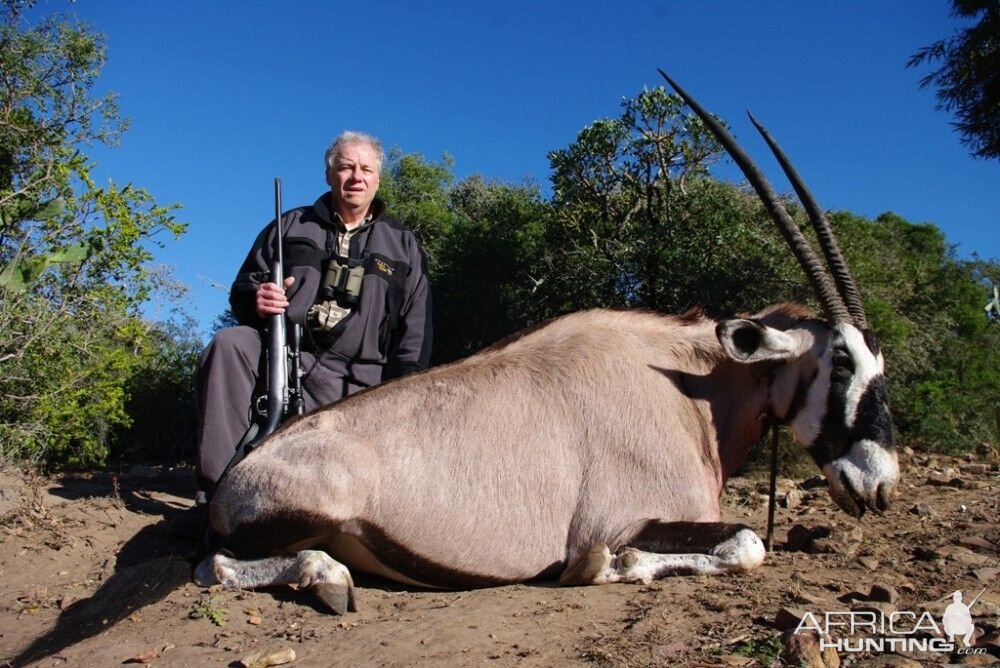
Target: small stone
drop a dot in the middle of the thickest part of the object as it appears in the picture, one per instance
(788, 618)
(884, 593)
(964, 555)
(841, 541)
(976, 543)
(852, 597)
(144, 658)
(265, 659)
(793, 499)
(811, 599)
(815, 482)
(987, 574)
(945, 481)
(801, 538)
(991, 641)
(977, 468)
(881, 609)
(908, 451)
(869, 563)
(921, 553)
(922, 510)
(803, 649)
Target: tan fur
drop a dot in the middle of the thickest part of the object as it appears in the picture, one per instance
(516, 461)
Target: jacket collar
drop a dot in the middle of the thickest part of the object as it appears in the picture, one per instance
(329, 216)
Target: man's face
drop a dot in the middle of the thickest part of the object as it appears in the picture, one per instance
(354, 178)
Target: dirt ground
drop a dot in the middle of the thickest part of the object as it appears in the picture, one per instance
(90, 575)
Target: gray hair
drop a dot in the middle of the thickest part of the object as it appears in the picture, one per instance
(351, 137)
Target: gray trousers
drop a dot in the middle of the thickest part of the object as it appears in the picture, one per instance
(227, 374)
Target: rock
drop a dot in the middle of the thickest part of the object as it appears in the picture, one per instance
(800, 537)
(991, 641)
(987, 574)
(976, 543)
(793, 499)
(869, 563)
(946, 481)
(812, 599)
(265, 659)
(908, 451)
(977, 468)
(922, 510)
(815, 482)
(781, 485)
(879, 608)
(803, 649)
(884, 593)
(852, 597)
(842, 541)
(921, 553)
(788, 618)
(988, 604)
(963, 555)
(824, 540)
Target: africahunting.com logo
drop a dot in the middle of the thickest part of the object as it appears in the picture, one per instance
(896, 631)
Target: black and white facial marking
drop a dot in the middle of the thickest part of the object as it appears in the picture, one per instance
(828, 386)
(853, 442)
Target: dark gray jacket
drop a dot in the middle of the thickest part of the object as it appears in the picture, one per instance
(389, 333)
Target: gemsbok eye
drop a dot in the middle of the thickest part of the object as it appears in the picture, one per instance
(842, 360)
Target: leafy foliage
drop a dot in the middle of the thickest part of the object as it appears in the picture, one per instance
(639, 222)
(485, 287)
(211, 607)
(968, 79)
(73, 255)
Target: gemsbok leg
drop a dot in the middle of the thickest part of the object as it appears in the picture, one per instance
(657, 549)
(309, 569)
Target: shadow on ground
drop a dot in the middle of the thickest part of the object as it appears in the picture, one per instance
(148, 567)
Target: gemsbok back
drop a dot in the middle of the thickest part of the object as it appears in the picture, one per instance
(593, 448)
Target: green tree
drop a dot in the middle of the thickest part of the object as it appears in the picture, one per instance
(480, 239)
(942, 353)
(638, 221)
(416, 194)
(73, 254)
(485, 284)
(968, 79)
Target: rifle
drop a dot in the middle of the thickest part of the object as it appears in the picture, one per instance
(284, 389)
(284, 370)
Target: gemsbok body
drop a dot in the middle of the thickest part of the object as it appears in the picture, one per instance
(593, 448)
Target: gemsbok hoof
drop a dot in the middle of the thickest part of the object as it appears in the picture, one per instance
(588, 568)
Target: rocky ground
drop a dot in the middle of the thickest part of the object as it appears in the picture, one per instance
(90, 575)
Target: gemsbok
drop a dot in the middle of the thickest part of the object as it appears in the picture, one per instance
(593, 448)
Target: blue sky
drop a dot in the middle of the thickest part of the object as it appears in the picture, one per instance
(225, 95)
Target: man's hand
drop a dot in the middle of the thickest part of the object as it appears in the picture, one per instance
(271, 299)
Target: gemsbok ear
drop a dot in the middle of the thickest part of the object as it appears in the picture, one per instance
(748, 341)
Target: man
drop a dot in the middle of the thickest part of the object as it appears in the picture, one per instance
(355, 280)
